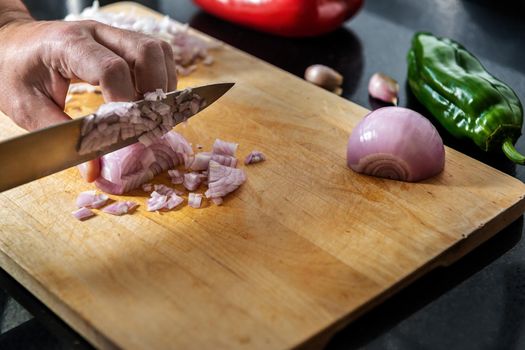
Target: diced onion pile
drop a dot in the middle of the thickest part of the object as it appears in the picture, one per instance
(159, 149)
(88, 200)
(133, 166)
(202, 169)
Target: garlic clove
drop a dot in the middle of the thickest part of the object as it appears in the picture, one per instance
(384, 88)
(323, 76)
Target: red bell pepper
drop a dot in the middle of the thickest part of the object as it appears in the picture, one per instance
(292, 18)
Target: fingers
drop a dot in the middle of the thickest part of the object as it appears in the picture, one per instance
(37, 112)
(170, 66)
(151, 58)
(99, 65)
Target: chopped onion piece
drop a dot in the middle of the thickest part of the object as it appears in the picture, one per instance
(224, 148)
(163, 200)
(91, 199)
(201, 161)
(157, 201)
(192, 181)
(166, 190)
(173, 201)
(217, 200)
(225, 160)
(254, 157)
(83, 213)
(120, 208)
(156, 95)
(223, 180)
(194, 200)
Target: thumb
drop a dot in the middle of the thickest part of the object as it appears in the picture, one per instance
(38, 112)
(50, 114)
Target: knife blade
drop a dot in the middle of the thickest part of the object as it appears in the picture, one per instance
(46, 151)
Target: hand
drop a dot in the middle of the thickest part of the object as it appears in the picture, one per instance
(39, 59)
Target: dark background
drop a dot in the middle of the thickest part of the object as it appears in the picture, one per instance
(477, 303)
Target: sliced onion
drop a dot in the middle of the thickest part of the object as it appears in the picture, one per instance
(157, 201)
(164, 200)
(176, 177)
(192, 181)
(224, 147)
(130, 167)
(91, 199)
(201, 161)
(225, 160)
(194, 200)
(166, 190)
(396, 143)
(223, 180)
(83, 214)
(120, 208)
(254, 157)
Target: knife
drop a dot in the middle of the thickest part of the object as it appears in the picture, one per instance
(46, 151)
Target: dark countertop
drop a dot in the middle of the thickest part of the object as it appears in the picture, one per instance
(478, 302)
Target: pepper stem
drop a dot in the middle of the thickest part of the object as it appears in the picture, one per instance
(512, 153)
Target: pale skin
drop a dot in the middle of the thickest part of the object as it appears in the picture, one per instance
(39, 59)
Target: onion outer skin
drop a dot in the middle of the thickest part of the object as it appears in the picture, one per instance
(396, 143)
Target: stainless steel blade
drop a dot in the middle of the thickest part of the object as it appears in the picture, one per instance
(37, 154)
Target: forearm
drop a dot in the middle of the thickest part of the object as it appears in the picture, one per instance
(12, 10)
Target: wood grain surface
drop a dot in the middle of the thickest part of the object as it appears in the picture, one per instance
(300, 250)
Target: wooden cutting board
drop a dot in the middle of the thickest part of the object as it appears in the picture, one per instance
(303, 248)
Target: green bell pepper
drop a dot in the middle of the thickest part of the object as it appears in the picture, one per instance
(468, 101)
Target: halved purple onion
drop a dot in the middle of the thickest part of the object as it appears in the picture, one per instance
(130, 167)
(396, 143)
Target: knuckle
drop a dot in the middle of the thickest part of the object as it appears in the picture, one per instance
(89, 23)
(113, 66)
(72, 30)
(150, 46)
(166, 47)
(168, 50)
